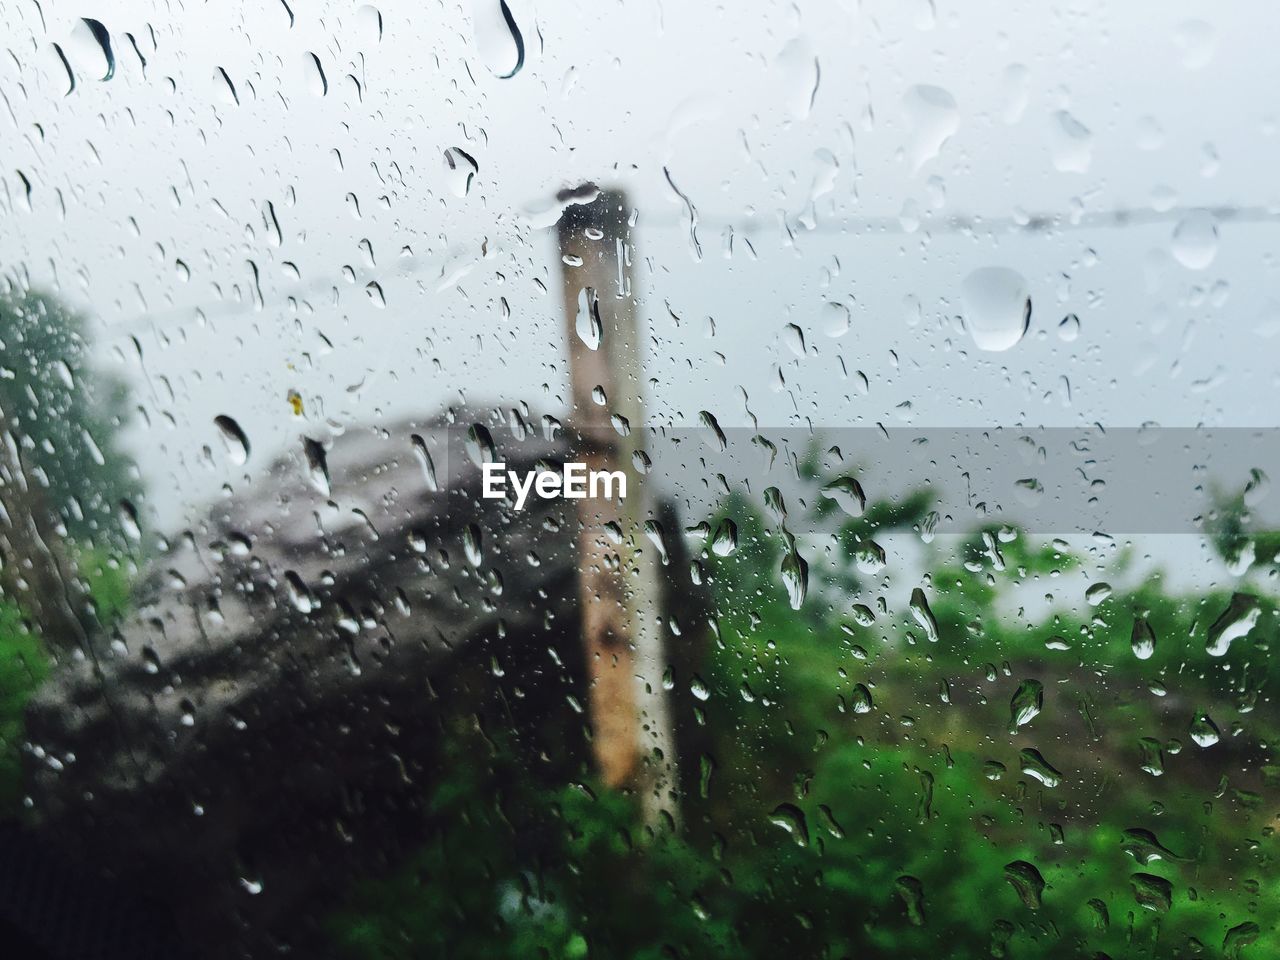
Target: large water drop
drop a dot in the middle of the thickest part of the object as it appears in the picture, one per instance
(997, 307)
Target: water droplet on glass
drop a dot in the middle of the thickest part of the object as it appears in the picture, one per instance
(473, 545)
(1142, 639)
(1198, 41)
(860, 699)
(1204, 731)
(1239, 937)
(725, 541)
(658, 537)
(835, 319)
(587, 324)
(226, 86)
(317, 82)
(1034, 765)
(934, 118)
(1232, 624)
(1195, 240)
(1069, 328)
(1152, 892)
(848, 495)
(234, 438)
(89, 50)
(462, 169)
(923, 615)
(798, 70)
(1027, 702)
(911, 890)
(1026, 882)
(793, 337)
(498, 38)
(317, 465)
(369, 22)
(1072, 144)
(791, 819)
(997, 307)
(129, 520)
(1096, 593)
(479, 445)
(795, 577)
(424, 460)
(712, 434)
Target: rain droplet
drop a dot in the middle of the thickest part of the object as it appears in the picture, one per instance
(1097, 593)
(791, 819)
(1204, 731)
(424, 460)
(1232, 624)
(1239, 937)
(498, 38)
(923, 615)
(473, 545)
(798, 67)
(860, 699)
(848, 495)
(1072, 144)
(317, 465)
(298, 593)
(1026, 882)
(369, 22)
(934, 118)
(1027, 702)
(911, 890)
(374, 289)
(869, 557)
(129, 520)
(658, 537)
(1143, 846)
(462, 169)
(234, 438)
(479, 445)
(1195, 240)
(1142, 639)
(1069, 328)
(1034, 765)
(1152, 756)
(997, 307)
(228, 88)
(66, 65)
(317, 82)
(712, 433)
(795, 577)
(793, 337)
(90, 49)
(1152, 892)
(1198, 41)
(835, 319)
(725, 541)
(587, 325)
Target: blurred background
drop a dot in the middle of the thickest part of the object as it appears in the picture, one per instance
(938, 343)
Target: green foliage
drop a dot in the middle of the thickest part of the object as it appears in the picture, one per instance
(23, 666)
(866, 793)
(65, 415)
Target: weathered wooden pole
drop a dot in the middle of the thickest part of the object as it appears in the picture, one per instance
(619, 589)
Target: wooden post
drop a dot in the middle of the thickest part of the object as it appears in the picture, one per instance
(618, 585)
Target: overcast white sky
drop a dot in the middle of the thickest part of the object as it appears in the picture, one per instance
(1058, 107)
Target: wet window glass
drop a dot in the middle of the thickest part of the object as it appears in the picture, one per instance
(500, 479)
